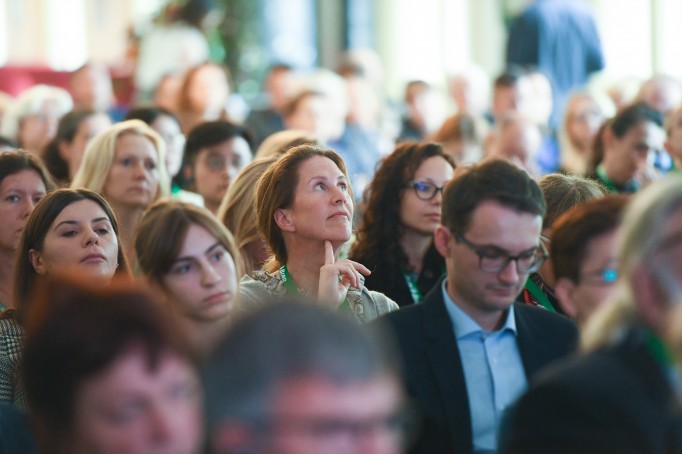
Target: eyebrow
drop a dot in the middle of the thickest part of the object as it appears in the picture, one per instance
(209, 249)
(72, 222)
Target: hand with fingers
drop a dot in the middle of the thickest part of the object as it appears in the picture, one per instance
(337, 277)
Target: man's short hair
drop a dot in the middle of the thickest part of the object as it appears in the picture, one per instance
(289, 340)
(563, 192)
(575, 229)
(492, 180)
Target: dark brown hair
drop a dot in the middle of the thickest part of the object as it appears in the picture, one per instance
(12, 162)
(381, 227)
(496, 180)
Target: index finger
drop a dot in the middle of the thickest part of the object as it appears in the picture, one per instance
(328, 253)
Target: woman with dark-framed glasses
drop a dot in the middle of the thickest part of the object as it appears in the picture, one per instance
(395, 240)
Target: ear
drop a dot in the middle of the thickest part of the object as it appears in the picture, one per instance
(284, 220)
(36, 262)
(563, 289)
(441, 239)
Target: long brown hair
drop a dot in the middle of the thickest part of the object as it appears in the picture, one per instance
(381, 226)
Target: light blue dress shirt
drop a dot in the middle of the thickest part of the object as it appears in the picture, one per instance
(493, 371)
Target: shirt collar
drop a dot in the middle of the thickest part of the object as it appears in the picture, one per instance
(465, 325)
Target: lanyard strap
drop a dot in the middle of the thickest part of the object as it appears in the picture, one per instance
(292, 290)
(414, 288)
(539, 295)
(631, 186)
(660, 351)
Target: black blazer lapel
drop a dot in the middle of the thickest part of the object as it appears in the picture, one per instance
(445, 362)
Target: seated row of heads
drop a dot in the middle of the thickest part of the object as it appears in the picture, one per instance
(189, 258)
(173, 240)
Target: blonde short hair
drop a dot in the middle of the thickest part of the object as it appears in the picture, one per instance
(99, 156)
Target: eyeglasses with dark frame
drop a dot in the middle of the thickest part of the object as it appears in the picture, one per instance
(425, 190)
(494, 260)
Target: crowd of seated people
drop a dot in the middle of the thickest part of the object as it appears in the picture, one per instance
(339, 273)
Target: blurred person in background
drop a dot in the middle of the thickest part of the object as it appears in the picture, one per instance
(24, 181)
(298, 378)
(91, 89)
(561, 193)
(172, 45)
(31, 119)
(629, 142)
(581, 122)
(215, 152)
(518, 140)
(583, 252)
(461, 136)
(64, 153)
(279, 90)
(203, 95)
(238, 214)
(105, 372)
(167, 125)
(125, 164)
(423, 114)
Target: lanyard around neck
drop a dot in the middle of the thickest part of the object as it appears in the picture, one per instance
(415, 293)
(539, 295)
(292, 290)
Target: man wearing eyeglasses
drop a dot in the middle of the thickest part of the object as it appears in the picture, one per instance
(467, 355)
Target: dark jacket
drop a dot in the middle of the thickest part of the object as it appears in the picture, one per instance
(433, 370)
(616, 399)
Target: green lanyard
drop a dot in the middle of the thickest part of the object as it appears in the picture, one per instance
(610, 185)
(293, 290)
(414, 289)
(539, 295)
(660, 351)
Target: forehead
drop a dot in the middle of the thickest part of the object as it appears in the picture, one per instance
(496, 224)
(434, 165)
(235, 144)
(133, 141)
(318, 166)
(197, 238)
(318, 395)
(27, 179)
(81, 210)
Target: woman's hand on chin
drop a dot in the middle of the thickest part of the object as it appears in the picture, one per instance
(337, 277)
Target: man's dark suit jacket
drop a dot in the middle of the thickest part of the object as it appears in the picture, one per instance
(616, 399)
(433, 369)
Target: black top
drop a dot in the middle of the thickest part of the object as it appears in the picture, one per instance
(388, 278)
